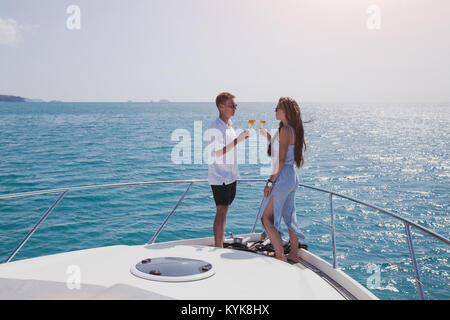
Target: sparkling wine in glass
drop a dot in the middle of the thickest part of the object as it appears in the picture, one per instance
(262, 123)
(251, 123)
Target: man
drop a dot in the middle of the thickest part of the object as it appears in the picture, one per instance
(223, 171)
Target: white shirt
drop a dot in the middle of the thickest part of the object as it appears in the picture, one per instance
(223, 169)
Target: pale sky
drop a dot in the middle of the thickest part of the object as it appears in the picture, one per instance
(259, 50)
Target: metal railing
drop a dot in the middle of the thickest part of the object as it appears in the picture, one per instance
(408, 223)
(405, 221)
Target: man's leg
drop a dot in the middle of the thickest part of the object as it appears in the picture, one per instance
(219, 225)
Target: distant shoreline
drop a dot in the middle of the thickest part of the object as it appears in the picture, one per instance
(5, 98)
(19, 99)
(11, 98)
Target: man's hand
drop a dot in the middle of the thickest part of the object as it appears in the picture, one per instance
(243, 135)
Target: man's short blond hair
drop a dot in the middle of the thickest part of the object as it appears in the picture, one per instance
(222, 98)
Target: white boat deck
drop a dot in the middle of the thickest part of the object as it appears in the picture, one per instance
(105, 274)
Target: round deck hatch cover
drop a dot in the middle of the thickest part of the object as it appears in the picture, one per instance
(172, 269)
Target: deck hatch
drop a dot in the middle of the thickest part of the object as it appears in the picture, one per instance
(172, 269)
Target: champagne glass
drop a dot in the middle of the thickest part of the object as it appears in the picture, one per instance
(262, 123)
(251, 123)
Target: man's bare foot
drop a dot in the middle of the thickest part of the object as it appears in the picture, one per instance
(293, 257)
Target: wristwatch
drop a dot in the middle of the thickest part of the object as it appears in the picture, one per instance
(269, 183)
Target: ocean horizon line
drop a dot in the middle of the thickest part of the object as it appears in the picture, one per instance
(242, 101)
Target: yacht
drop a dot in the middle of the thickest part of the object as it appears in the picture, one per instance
(188, 269)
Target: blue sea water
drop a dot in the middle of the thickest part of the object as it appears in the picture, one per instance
(392, 156)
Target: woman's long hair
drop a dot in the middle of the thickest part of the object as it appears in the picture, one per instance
(294, 118)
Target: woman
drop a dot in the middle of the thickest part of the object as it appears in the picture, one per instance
(279, 192)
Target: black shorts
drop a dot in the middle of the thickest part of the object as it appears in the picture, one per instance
(224, 194)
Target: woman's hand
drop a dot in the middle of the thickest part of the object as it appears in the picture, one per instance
(267, 190)
(263, 132)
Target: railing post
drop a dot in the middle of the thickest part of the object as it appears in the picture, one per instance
(414, 262)
(257, 214)
(333, 237)
(22, 243)
(168, 217)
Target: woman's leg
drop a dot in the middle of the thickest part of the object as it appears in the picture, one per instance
(293, 253)
(274, 235)
(291, 221)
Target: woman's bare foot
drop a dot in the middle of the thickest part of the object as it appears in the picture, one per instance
(282, 258)
(292, 257)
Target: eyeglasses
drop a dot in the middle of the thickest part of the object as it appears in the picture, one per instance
(234, 106)
(277, 108)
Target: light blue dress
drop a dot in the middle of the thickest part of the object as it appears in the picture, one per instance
(283, 193)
